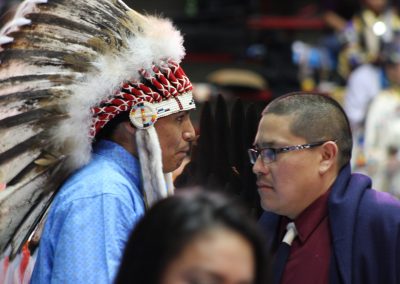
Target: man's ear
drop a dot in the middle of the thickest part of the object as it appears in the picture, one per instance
(128, 127)
(124, 135)
(329, 156)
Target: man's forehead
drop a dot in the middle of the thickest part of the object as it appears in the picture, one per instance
(183, 112)
(263, 143)
(275, 131)
(262, 140)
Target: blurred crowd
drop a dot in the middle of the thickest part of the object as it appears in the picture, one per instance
(364, 52)
(354, 58)
(252, 152)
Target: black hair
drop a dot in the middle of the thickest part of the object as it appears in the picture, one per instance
(107, 131)
(316, 117)
(172, 223)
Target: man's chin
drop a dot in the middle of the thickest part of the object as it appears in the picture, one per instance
(267, 207)
(176, 167)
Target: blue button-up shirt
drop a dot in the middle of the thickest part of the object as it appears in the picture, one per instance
(90, 219)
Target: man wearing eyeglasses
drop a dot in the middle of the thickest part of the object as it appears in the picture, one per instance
(344, 231)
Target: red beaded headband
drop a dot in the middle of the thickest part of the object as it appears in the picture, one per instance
(169, 81)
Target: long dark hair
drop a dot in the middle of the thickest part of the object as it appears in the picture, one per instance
(172, 223)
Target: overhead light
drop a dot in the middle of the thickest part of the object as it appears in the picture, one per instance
(379, 28)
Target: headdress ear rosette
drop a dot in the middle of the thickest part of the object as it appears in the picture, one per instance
(66, 69)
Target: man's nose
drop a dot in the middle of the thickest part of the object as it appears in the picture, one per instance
(189, 133)
(259, 167)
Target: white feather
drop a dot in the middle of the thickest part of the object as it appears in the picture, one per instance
(5, 39)
(150, 157)
(25, 8)
(170, 184)
(143, 50)
(124, 5)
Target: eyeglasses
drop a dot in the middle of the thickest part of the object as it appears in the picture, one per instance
(268, 155)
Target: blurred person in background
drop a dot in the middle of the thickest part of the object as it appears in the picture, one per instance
(363, 85)
(195, 237)
(336, 14)
(365, 33)
(382, 128)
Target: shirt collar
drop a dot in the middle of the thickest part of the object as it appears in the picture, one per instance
(119, 155)
(312, 216)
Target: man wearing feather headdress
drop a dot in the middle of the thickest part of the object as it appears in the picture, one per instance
(92, 98)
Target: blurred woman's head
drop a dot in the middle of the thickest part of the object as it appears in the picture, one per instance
(376, 6)
(195, 237)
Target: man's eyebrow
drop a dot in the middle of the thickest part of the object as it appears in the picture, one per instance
(210, 275)
(184, 113)
(180, 113)
(260, 145)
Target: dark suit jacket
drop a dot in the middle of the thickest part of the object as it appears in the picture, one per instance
(365, 229)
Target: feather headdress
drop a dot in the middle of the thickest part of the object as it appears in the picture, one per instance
(66, 69)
